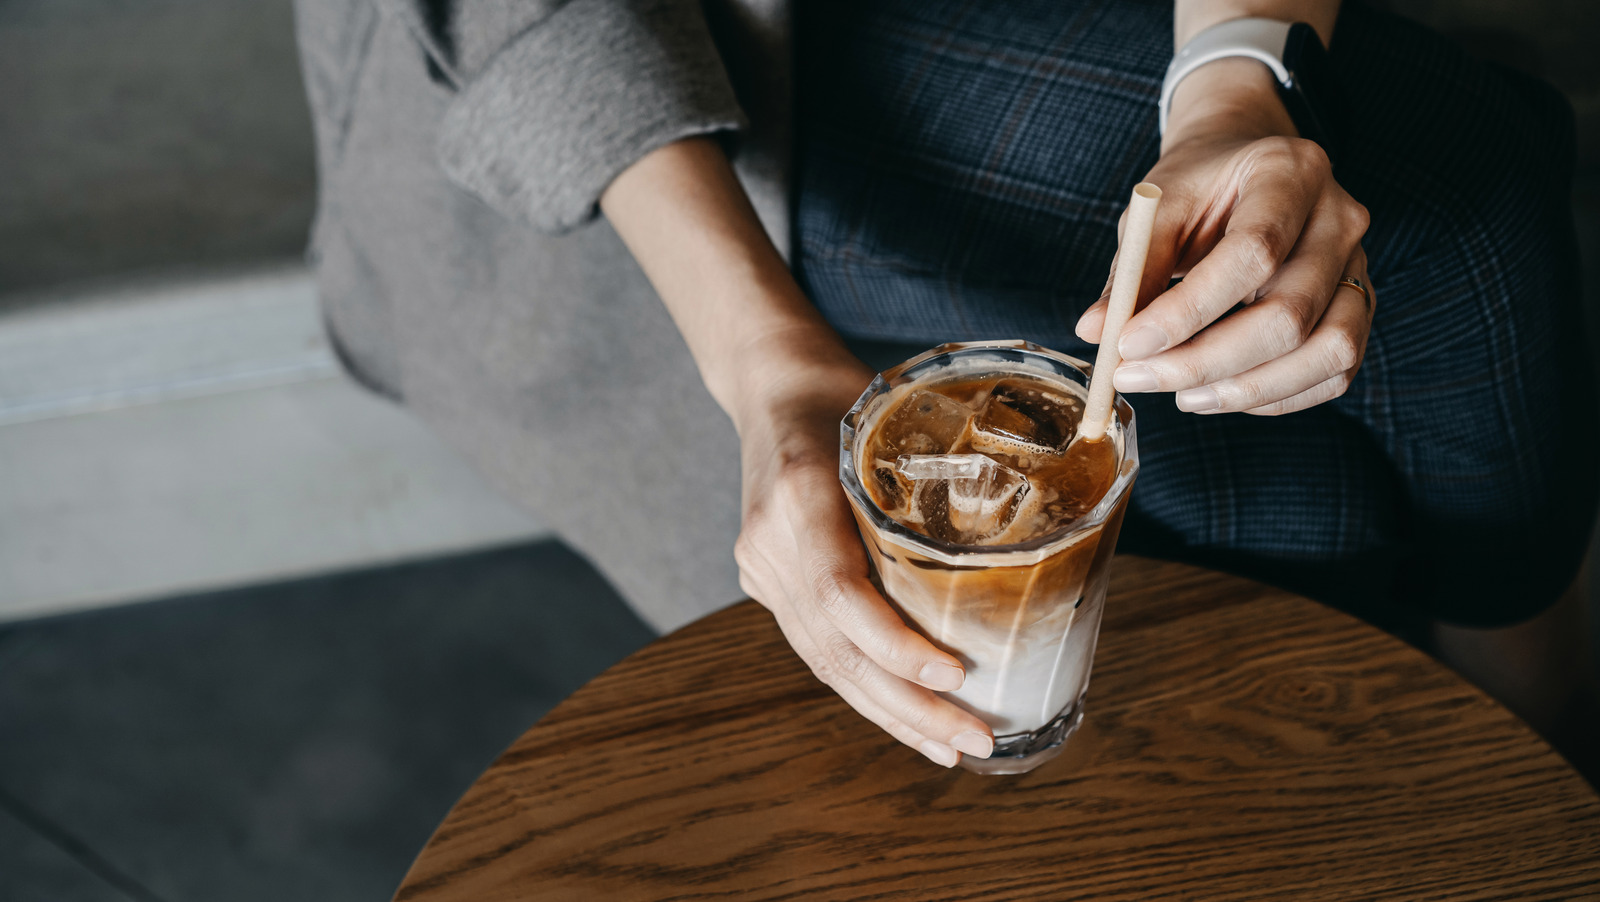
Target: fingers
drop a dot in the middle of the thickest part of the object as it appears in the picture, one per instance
(842, 664)
(801, 556)
(1292, 303)
(835, 572)
(1311, 397)
(1278, 182)
(1319, 370)
(1260, 235)
(940, 753)
(936, 728)
(854, 606)
(1093, 320)
(1165, 248)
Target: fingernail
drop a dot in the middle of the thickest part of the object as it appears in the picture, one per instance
(941, 677)
(1198, 400)
(939, 753)
(978, 745)
(1082, 327)
(1134, 379)
(1142, 342)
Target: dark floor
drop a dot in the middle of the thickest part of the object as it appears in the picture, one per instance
(293, 741)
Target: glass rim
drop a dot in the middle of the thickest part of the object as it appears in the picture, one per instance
(1015, 554)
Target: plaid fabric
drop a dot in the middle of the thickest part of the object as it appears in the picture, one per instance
(962, 167)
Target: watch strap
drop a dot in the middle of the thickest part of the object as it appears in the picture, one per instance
(1259, 39)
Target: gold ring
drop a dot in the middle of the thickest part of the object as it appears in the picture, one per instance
(1360, 286)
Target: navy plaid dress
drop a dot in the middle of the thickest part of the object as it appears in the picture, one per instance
(962, 168)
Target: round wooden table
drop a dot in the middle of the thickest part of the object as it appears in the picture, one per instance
(1241, 743)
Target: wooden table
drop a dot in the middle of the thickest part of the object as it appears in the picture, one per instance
(1241, 743)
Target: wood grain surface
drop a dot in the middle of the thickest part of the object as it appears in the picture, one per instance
(1241, 743)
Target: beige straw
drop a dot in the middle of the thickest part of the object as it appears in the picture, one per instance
(1124, 293)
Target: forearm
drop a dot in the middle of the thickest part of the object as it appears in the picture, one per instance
(686, 218)
(786, 380)
(1238, 94)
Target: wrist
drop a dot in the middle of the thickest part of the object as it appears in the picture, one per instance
(1235, 98)
(788, 370)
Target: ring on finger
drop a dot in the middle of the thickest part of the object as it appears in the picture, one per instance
(1357, 284)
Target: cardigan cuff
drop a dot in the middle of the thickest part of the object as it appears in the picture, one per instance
(565, 108)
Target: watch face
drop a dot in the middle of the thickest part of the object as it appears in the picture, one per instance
(1313, 97)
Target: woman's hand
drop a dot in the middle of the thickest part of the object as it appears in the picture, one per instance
(1249, 215)
(786, 380)
(800, 555)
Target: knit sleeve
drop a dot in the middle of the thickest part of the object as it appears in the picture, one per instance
(555, 99)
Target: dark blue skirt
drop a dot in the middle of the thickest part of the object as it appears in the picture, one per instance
(961, 170)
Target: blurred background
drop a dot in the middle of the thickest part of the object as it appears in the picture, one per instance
(258, 629)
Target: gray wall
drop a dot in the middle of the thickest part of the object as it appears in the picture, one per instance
(149, 135)
(171, 418)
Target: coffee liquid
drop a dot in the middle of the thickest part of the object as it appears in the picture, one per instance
(1023, 425)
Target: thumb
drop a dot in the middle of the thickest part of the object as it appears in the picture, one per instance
(1093, 320)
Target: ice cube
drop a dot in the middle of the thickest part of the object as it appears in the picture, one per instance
(976, 496)
(1024, 417)
(942, 466)
(983, 504)
(926, 423)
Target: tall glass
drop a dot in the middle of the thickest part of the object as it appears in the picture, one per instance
(1022, 618)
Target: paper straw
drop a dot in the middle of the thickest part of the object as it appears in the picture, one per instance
(1124, 293)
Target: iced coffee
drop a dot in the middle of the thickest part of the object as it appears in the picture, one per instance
(991, 528)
